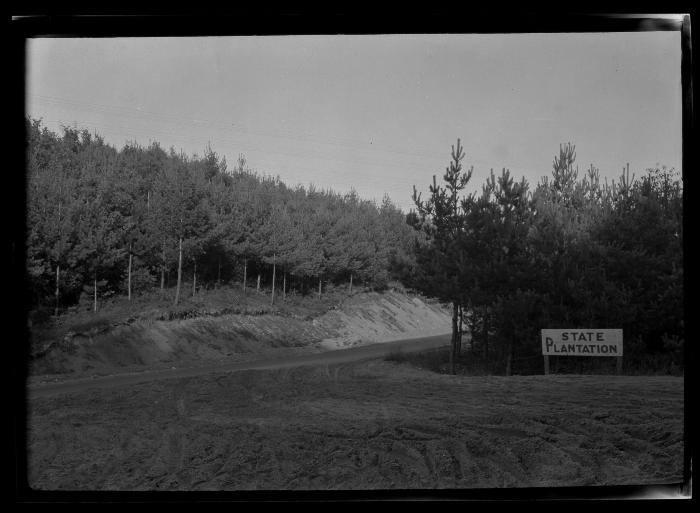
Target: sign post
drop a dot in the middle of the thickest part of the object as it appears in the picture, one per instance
(582, 342)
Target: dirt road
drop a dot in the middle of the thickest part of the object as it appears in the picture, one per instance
(326, 358)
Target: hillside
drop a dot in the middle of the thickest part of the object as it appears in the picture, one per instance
(225, 326)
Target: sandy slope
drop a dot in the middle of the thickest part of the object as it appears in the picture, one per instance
(359, 426)
(389, 316)
(158, 344)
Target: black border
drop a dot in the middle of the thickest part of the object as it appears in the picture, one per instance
(477, 494)
(293, 21)
(299, 22)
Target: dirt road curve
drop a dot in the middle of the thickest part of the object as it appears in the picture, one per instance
(329, 357)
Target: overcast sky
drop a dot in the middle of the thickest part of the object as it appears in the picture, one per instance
(377, 113)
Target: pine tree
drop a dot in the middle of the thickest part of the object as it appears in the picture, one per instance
(442, 220)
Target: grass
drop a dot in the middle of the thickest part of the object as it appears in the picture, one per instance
(468, 364)
(153, 302)
(438, 360)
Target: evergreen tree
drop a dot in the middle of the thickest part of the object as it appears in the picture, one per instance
(442, 218)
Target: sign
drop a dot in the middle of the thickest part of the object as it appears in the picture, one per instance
(582, 342)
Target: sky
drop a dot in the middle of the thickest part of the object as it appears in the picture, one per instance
(377, 113)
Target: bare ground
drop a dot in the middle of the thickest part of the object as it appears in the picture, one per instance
(363, 425)
(118, 343)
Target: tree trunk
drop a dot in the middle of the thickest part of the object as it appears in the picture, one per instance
(471, 326)
(486, 334)
(218, 277)
(454, 338)
(194, 280)
(274, 268)
(129, 281)
(459, 332)
(179, 273)
(319, 287)
(257, 288)
(57, 289)
(162, 271)
(245, 273)
(57, 265)
(350, 287)
(95, 300)
(509, 359)
(284, 285)
(148, 200)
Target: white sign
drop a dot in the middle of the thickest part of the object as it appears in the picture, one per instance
(581, 342)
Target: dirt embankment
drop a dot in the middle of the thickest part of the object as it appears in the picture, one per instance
(132, 346)
(387, 317)
(364, 425)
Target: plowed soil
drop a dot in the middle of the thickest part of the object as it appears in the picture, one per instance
(362, 425)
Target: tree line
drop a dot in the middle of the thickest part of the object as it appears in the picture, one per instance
(572, 252)
(103, 221)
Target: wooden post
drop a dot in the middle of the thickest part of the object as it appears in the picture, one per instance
(618, 369)
(284, 284)
(258, 287)
(350, 288)
(546, 364)
(319, 287)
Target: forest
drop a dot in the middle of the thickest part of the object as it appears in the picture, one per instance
(103, 222)
(570, 252)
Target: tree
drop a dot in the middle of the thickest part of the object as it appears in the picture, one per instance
(502, 224)
(51, 200)
(100, 235)
(441, 218)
